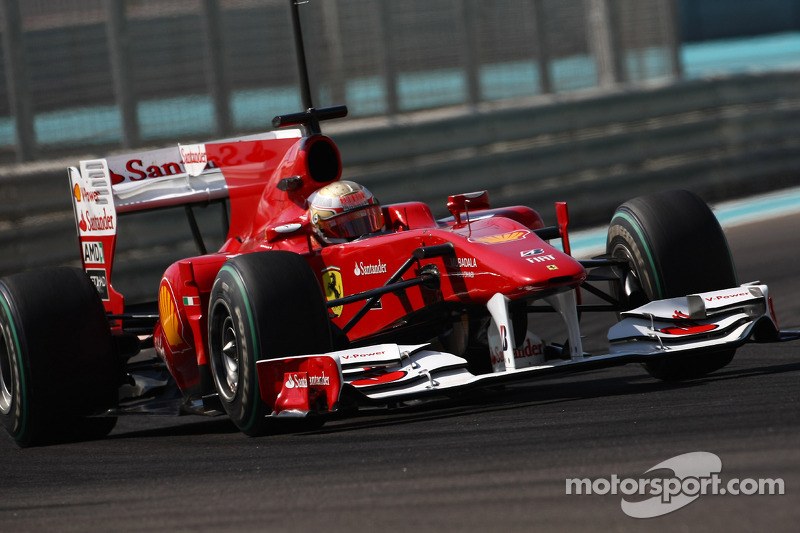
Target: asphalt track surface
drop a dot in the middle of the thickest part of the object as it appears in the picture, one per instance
(492, 462)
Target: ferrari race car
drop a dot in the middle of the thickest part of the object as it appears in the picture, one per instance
(321, 299)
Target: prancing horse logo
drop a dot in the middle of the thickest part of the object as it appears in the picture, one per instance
(334, 289)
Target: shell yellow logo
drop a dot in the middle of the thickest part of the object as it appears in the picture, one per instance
(77, 192)
(503, 237)
(170, 321)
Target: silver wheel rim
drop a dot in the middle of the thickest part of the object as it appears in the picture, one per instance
(230, 357)
(5, 376)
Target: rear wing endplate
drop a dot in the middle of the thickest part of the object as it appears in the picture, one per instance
(181, 175)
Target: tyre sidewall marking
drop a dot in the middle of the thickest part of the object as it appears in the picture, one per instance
(246, 350)
(19, 411)
(634, 226)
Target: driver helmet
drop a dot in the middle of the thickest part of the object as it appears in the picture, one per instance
(343, 211)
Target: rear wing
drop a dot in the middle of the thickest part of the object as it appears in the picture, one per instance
(101, 189)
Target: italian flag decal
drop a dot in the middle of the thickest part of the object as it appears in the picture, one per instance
(191, 300)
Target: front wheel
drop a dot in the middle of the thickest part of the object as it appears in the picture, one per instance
(674, 247)
(263, 305)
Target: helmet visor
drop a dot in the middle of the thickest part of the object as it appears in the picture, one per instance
(353, 223)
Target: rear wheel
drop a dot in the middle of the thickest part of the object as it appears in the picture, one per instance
(57, 364)
(674, 246)
(263, 305)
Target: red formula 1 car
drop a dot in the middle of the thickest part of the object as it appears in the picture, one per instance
(321, 298)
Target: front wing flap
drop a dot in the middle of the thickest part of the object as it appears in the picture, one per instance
(695, 322)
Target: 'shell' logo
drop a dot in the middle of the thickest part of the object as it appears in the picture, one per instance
(82, 195)
(171, 322)
(502, 238)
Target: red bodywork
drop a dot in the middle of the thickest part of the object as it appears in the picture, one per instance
(268, 183)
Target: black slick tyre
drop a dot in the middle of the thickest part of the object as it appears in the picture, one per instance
(263, 305)
(57, 363)
(674, 246)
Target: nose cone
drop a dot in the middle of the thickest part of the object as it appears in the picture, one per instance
(550, 268)
(540, 269)
(514, 262)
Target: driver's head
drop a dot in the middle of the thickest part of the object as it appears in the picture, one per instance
(344, 210)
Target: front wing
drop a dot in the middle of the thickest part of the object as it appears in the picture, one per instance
(685, 326)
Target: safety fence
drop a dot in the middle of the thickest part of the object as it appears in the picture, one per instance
(720, 138)
(99, 74)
